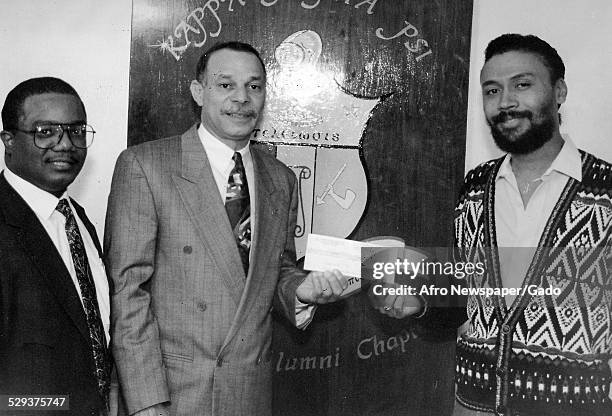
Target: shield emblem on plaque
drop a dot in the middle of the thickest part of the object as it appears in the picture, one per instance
(316, 127)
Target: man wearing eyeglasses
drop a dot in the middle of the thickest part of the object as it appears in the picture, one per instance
(54, 294)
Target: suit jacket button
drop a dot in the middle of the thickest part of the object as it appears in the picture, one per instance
(187, 249)
(201, 306)
(220, 362)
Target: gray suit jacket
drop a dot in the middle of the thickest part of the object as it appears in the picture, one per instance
(187, 326)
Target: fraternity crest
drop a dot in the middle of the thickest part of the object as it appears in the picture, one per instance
(317, 129)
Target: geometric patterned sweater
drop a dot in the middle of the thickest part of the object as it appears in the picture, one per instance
(544, 354)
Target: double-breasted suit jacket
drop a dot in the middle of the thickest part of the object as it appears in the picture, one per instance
(189, 326)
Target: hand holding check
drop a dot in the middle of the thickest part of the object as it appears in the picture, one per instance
(322, 287)
(344, 257)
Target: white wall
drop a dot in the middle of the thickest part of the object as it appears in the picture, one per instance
(581, 33)
(87, 44)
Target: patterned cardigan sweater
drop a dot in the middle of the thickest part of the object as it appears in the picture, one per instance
(543, 354)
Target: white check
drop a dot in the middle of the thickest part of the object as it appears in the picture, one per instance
(325, 253)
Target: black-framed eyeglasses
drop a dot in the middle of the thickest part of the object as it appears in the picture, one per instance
(47, 136)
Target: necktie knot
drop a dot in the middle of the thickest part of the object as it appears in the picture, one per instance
(64, 208)
(237, 186)
(237, 158)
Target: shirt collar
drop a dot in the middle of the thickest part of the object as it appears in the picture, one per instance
(219, 154)
(568, 162)
(41, 202)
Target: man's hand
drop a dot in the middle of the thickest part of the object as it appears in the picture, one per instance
(322, 287)
(395, 306)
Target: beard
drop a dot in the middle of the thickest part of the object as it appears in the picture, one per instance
(536, 136)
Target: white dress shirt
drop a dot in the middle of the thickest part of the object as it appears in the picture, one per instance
(520, 227)
(221, 162)
(43, 204)
(220, 159)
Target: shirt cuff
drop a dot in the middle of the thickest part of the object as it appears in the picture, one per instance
(304, 312)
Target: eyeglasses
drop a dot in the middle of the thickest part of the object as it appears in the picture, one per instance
(47, 136)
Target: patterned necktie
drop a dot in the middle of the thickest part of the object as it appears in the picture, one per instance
(237, 205)
(90, 301)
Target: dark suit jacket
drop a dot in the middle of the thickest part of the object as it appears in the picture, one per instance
(44, 339)
(187, 325)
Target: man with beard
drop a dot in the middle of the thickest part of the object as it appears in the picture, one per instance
(191, 307)
(539, 217)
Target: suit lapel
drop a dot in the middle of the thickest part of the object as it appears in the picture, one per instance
(88, 225)
(43, 254)
(266, 222)
(199, 192)
(94, 236)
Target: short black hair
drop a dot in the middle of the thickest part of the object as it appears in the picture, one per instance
(233, 45)
(528, 43)
(13, 105)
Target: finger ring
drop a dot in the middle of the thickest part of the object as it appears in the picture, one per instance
(387, 308)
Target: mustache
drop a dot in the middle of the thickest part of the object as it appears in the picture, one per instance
(509, 115)
(62, 156)
(245, 112)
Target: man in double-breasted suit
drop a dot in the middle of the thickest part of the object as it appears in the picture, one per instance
(200, 245)
(54, 302)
